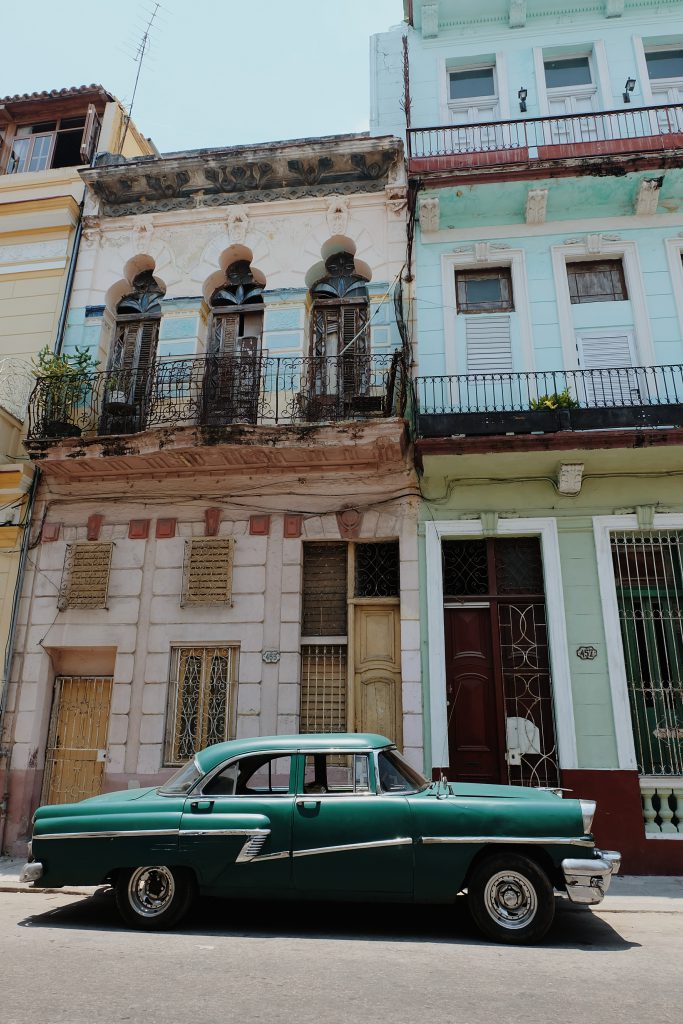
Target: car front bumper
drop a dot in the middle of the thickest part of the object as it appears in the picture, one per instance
(587, 880)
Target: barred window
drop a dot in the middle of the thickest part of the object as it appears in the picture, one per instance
(207, 573)
(377, 570)
(202, 700)
(324, 688)
(85, 577)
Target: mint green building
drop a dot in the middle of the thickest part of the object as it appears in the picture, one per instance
(546, 168)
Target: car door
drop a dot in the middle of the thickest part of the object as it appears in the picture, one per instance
(347, 838)
(236, 831)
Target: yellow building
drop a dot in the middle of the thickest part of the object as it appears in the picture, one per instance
(44, 138)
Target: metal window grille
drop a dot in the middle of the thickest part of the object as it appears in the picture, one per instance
(202, 700)
(648, 569)
(323, 688)
(207, 572)
(85, 577)
(377, 570)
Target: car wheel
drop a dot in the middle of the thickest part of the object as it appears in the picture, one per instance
(154, 897)
(511, 899)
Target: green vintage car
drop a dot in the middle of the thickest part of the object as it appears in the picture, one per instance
(341, 817)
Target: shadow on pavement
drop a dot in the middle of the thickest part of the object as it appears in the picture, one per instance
(572, 929)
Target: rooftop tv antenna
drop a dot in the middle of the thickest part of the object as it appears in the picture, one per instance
(143, 47)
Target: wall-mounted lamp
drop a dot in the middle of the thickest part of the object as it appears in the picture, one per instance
(628, 89)
(522, 99)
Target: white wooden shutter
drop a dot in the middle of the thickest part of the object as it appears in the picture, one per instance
(90, 134)
(609, 357)
(488, 343)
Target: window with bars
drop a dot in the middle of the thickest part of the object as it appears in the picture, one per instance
(207, 572)
(85, 577)
(596, 281)
(377, 572)
(648, 570)
(202, 700)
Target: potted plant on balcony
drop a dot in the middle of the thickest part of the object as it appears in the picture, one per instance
(557, 400)
(62, 383)
(117, 394)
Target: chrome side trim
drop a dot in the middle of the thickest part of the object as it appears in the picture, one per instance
(224, 832)
(108, 835)
(253, 846)
(347, 847)
(508, 840)
(270, 856)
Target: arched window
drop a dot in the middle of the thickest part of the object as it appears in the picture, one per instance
(340, 309)
(138, 316)
(133, 351)
(340, 342)
(233, 375)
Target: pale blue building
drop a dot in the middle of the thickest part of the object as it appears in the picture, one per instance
(545, 167)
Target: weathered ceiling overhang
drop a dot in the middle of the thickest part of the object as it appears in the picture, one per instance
(430, 17)
(264, 173)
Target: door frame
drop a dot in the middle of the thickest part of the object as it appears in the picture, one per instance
(546, 530)
(603, 527)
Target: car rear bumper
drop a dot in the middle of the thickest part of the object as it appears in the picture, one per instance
(587, 880)
(32, 872)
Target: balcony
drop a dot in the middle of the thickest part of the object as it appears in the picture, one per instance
(535, 146)
(480, 404)
(217, 392)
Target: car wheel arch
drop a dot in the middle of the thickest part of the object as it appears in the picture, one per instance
(539, 856)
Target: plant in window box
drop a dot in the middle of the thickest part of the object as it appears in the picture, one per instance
(63, 381)
(556, 400)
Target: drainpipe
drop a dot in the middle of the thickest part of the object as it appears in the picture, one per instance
(9, 650)
(68, 287)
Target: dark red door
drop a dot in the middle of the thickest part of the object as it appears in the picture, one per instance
(473, 732)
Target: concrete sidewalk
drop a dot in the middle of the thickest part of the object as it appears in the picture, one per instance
(627, 894)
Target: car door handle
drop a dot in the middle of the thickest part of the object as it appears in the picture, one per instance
(201, 806)
(309, 805)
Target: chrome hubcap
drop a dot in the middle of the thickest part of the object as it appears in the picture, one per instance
(510, 899)
(151, 891)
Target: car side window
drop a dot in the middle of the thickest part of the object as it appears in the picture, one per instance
(260, 775)
(337, 773)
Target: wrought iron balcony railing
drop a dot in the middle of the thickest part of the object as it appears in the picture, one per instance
(603, 133)
(218, 391)
(492, 403)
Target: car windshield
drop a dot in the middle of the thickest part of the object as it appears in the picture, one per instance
(183, 780)
(397, 776)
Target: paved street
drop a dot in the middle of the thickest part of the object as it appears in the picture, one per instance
(67, 959)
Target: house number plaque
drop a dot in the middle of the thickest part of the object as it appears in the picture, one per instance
(271, 657)
(587, 653)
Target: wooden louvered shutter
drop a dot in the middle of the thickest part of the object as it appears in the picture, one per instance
(612, 356)
(324, 590)
(225, 333)
(488, 343)
(90, 134)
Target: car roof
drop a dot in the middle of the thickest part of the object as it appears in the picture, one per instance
(351, 741)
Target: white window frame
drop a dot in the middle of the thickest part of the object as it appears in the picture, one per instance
(603, 527)
(601, 88)
(546, 530)
(674, 256)
(500, 98)
(660, 84)
(455, 352)
(597, 247)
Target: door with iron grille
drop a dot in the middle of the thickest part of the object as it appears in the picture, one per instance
(499, 690)
(648, 569)
(77, 742)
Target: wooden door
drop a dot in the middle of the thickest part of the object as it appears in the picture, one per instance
(474, 739)
(377, 670)
(76, 752)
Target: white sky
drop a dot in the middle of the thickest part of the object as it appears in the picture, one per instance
(218, 72)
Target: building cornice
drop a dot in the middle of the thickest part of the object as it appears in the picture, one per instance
(246, 174)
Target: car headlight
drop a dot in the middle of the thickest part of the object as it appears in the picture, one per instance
(587, 813)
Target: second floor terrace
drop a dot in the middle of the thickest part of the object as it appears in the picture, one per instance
(602, 142)
(220, 411)
(532, 405)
